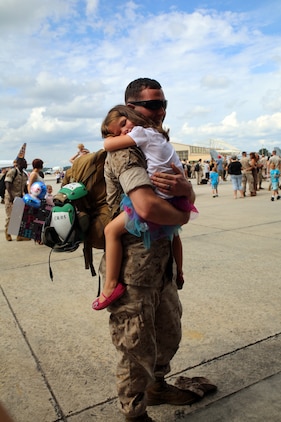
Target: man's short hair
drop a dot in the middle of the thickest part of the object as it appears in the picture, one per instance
(21, 161)
(135, 87)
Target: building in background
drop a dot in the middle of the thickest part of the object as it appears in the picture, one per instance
(194, 152)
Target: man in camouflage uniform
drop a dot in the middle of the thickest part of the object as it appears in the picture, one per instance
(145, 323)
(15, 180)
(247, 175)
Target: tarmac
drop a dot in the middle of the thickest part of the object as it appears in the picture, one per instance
(57, 360)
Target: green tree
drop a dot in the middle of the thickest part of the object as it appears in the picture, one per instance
(264, 151)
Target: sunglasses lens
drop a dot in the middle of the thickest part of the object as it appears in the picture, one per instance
(152, 104)
(156, 104)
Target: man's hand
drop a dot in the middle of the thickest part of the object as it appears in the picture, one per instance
(174, 184)
(151, 207)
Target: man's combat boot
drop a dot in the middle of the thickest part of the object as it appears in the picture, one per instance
(8, 236)
(20, 238)
(142, 418)
(162, 393)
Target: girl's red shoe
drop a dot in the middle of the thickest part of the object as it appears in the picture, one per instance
(117, 292)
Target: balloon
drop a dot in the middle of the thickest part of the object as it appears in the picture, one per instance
(38, 190)
(31, 201)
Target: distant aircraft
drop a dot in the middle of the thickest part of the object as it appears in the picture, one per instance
(10, 163)
(6, 163)
(214, 154)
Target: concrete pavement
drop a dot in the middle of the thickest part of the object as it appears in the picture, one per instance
(57, 361)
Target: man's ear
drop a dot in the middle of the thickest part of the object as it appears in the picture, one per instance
(131, 105)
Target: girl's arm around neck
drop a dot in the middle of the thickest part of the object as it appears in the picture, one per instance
(113, 143)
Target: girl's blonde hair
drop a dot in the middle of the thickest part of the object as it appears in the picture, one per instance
(134, 116)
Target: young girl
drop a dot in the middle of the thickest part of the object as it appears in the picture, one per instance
(49, 195)
(274, 178)
(124, 127)
(214, 180)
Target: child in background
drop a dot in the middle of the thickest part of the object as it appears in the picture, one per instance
(214, 180)
(274, 178)
(81, 151)
(49, 195)
(124, 127)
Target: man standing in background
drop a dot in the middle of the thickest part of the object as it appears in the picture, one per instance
(16, 181)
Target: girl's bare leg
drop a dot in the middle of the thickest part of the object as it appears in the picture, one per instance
(113, 251)
(177, 253)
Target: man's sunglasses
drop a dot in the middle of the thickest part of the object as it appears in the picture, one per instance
(151, 104)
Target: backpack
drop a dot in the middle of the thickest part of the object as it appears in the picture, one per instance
(2, 186)
(3, 183)
(81, 211)
(197, 167)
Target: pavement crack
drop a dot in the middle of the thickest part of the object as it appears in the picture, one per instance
(58, 410)
(232, 352)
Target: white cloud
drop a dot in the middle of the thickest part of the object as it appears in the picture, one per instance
(91, 6)
(64, 64)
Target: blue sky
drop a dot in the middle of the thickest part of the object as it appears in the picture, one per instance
(64, 63)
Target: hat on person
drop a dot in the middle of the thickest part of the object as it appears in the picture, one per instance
(234, 157)
(21, 153)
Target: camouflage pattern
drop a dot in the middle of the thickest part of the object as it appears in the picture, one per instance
(18, 182)
(145, 323)
(247, 175)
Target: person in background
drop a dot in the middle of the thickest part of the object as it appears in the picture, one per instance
(259, 171)
(274, 178)
(49, 195)
(35, 176)
(263, 161)
(16, 181)
(235, 171)
(81, 151)
(198, 171)
(214, 180)
(254, 164)
(274, 159)
(2, 179)
(58, 176)
(206, 170)
(225, 166)
(188, 169)
(247, 175)
(219, 162)
(212, 164)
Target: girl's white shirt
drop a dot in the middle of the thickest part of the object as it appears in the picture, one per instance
(159, 153)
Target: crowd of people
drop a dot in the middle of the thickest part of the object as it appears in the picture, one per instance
(145, 310)
(246, 173)
(18, 183)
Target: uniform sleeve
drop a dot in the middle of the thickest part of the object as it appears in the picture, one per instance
(10, 176)
(126, 167)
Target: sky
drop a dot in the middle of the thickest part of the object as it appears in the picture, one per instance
(65, 63)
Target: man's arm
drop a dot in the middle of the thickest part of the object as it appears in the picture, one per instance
(9, 190)
(152, 208)
(174, 184)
